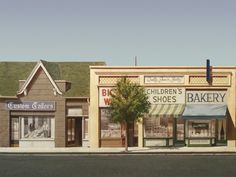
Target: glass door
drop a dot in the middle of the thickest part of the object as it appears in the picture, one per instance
(74, 131)
(71, 131)
(15, 132)
(221, 138)
(179, 131)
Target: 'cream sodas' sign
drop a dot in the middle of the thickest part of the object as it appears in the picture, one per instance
(206, 97)
(105, 96)
(166, 95)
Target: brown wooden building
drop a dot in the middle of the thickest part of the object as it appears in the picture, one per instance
(44, 104)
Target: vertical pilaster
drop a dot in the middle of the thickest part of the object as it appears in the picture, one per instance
(140, 133)
(94, 111)
(231, 133)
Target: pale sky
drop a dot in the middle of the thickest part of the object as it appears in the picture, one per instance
(158, 32)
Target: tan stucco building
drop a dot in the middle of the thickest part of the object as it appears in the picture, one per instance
(186, 109)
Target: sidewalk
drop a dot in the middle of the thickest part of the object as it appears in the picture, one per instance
(132, 150)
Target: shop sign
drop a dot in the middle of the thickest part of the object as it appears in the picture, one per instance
(105, 96)
(200, 125)
(156, 95)
(166, 95)
(74, 112)
(31, 106)
(164, 79)
(206, 97)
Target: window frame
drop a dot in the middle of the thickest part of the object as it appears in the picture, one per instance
(51, 128)
(119, 130)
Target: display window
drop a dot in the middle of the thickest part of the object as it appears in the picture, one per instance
(36, 127)
(200, 128)
(15, 127)
(221, 129)
(85, 134)
(158, 127)
(109, 129)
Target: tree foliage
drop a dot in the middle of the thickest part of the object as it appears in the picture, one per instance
(129, 102)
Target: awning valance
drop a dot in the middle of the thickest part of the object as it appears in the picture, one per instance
(166, 110)
(205, 111)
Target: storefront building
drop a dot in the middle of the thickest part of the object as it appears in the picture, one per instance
(44, 104)
(186, 110)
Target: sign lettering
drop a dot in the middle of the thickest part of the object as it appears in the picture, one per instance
(164, 79)
(105, 96)
(166, 95)
(156, 95)
(206, 97)
(31, 106)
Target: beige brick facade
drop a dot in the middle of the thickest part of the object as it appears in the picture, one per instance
(223, 78)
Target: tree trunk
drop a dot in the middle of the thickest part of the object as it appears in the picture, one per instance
(126, 136)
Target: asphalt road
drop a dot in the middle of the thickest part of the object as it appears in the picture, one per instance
(118, 166)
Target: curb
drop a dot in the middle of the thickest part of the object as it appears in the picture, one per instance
(121, 153)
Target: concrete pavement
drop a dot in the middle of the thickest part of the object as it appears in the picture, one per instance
(132, 150)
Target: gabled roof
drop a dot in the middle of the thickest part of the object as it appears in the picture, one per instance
(31, 76)
(77, 73)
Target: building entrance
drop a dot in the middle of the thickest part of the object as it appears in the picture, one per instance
(74, 131)
(179, 132)
(132, 134)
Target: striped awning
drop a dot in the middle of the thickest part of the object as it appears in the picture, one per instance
(166, 110)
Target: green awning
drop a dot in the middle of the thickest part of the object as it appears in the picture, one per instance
(166, 110)
(205, 111)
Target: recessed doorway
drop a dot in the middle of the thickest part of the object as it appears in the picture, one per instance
(74, 131)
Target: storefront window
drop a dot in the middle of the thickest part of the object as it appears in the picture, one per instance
(15, 135)
(109, 129)
(85, 135)
(201, 128)
(36, 127)
(221, 130)
(158, 127)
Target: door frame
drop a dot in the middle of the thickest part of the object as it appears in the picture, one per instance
(77, 142)
(176, 141)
